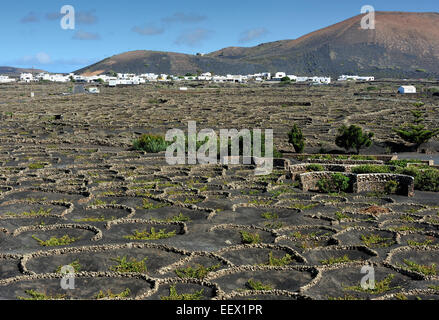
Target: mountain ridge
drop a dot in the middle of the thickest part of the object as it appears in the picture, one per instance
(403, 44)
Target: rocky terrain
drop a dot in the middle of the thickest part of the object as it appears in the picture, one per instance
(132, 227)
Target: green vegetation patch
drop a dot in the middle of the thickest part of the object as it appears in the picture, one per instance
(152, 235)
(250, 238)
(54, 241)
(284, 261)
(199, 272)
(257, 286)
(336, 183)
(336, 260)
(376, 241)
(428, 270)
(150, 143)
(35, 295)
(110, 295)
(173, 295)
(382, 286)
(75, 265)
(132, 265)
(33, 213)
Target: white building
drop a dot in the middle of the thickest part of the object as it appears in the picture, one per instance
(93, 90)
(407, 89)
(6, 79)
(26, 77)
(279, 75)
(355, 78)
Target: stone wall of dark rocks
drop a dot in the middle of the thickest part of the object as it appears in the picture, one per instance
(373, 182)
(377, 182)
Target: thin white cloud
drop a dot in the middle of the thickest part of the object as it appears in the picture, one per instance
(148, 30)
(31, 17)
(54, 16)
(252, 34)
(193, 37)
(84, 35)
(86, 17)
(82, 17)
(40, 58)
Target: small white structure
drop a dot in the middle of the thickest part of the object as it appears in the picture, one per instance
(93, 90)
(26, 77)
(183, 88)
(406, 89)
(6, 79)
(279, 75)
(345, 77)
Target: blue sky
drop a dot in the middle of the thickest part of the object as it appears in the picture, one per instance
(31, 35)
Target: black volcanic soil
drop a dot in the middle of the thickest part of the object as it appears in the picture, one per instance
(77, 179)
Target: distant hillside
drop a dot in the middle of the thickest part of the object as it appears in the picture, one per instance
(402, 45)
(17, 71)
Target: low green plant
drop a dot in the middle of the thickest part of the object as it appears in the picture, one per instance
(391, 187)
(382, 286)
(75, 265)
(336, 183)
(424, 269)
(40, 213)
(37, 165)
(250, 238)
(132, 265)
(315, 167)
(110, 295)
(149, 205)
(35, 295)
(340, 216)
(420, 244)
(151, 235)
(173, 295)
(425, 179)
(150, 143)
(279, 262)
(371, 168)
(336, 260)
(270, 215)
(178, 218)
(200, 272)
(376, 241)
(54, 241)
(257, 285)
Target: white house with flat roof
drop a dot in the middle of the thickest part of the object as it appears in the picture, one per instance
(345, 77)
(6, 79)
(406, 89)
(26, 77)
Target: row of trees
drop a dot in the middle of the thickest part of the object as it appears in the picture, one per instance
(353, 137)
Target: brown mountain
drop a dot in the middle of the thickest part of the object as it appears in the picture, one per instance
(401, 45)
(16, 71)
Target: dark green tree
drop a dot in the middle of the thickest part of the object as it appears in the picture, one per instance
(416, 132)
(296, 138)
(353, 137)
